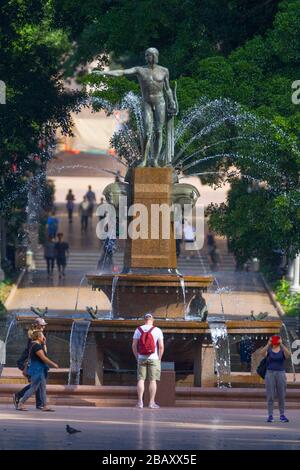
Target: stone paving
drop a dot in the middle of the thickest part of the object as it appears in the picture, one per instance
(164, 429)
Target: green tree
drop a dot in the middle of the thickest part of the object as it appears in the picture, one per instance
(31, 53)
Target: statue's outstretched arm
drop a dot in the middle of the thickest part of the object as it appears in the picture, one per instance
(116, 73)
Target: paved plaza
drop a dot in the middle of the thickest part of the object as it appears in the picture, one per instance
(164, 429)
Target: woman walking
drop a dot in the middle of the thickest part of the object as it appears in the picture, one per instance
(276, 354)
(38, 370)
(70, 198)
(38, 325)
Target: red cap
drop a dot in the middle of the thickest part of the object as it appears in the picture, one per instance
(275, 340)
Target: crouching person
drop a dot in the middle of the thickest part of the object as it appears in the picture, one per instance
(39, 364)
(148, 348)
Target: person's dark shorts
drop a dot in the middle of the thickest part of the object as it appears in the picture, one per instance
(61, 261)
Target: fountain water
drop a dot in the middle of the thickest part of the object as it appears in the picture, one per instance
(113, 291)
(182, 284)
(10, 323)
(78, 292)
(151, 269)
(78, 338)
(284, 332)
(219, 336)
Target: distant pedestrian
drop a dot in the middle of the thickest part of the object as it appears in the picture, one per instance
(61, 253)
(70, 198)
(178, 237)
(105, 263)
(148, 349)
(52, 225)
(38, 369)
(38, 325)
(215, 258)
(91, 197)
(210, 240)
(275, 379)
(101, 217)
(49, 254)
(189, 236)
(84, 211)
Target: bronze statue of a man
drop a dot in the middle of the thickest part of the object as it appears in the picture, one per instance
(157, 101)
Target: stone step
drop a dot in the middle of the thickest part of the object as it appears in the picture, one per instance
(126, 396)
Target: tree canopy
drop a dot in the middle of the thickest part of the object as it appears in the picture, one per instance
(31, 52)
(245, 50)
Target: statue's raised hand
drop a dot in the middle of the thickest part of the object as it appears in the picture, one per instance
(172, 109)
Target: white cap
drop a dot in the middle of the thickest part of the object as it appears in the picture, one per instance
(148, 315)
(40, 321)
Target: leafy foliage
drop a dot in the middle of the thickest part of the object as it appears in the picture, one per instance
(289, 301)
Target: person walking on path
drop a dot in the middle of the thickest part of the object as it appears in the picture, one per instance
(215, 258)
(91, 197)
(102, 201)
(52, 225)
(84, 212)
(276, 354)
(70, 198)
(49, 254)
(61, 253)
(210, 240)
(105, 263)
(38, 325)
(189, 237)
(38, 370)
(148, 349)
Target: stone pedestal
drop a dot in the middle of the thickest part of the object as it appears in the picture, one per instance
(149, 187)
(197, 364)
(208, 377)
(149, 281)
(92, 364)
(165, 395)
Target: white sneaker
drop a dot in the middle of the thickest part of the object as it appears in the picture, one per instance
(154, 406)
(139, 404)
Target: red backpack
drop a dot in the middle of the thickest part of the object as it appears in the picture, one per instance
(146, 344)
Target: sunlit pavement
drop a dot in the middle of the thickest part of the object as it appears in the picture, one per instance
(126, 428)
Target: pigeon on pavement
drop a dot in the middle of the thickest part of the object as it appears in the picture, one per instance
(71, 430)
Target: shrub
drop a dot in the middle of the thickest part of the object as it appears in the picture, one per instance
(290, 301)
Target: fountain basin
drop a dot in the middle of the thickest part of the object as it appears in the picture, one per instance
(160, 294)
(186, 342)
(64, 323)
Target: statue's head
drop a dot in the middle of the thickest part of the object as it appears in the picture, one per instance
(151, 55)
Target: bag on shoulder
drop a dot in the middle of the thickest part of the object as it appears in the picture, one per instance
(25, 369)
(23, 365)
(146, 344)
(22, 360)
(262, 367)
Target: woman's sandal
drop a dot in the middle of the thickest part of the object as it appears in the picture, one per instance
(22, 408)
(47, 409)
